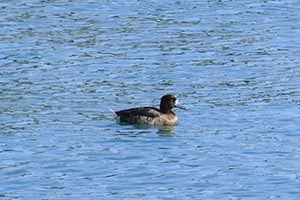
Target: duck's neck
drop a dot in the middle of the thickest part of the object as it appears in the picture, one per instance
(165, 109)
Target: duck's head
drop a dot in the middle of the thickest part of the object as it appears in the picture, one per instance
(168, 102)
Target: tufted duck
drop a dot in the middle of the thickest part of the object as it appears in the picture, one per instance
(150, 115)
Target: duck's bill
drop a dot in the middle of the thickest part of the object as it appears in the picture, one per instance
(180, 106)
(177, 105)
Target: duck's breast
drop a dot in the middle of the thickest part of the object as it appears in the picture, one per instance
(168, 119)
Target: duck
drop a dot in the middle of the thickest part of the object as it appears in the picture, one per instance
(151, 115)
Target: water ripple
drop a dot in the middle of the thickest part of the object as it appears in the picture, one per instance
(233, 64)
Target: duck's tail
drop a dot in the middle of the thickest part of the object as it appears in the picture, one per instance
(113, 112)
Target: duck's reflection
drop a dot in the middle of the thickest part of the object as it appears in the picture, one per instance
(166, 130)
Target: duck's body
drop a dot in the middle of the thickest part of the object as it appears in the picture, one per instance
(146, 115)
(150, 115)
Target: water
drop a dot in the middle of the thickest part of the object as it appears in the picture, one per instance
(234, 65)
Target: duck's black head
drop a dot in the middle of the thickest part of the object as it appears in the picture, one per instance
(167, 103)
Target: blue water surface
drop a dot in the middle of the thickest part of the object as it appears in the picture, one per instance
(233, 64)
